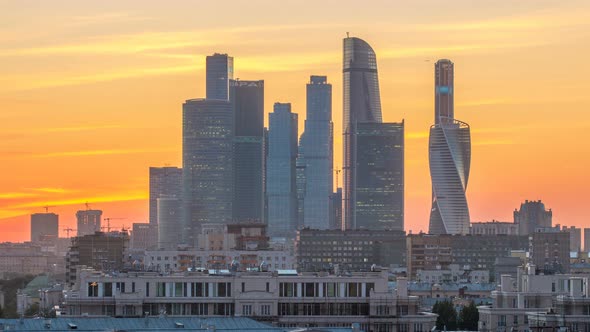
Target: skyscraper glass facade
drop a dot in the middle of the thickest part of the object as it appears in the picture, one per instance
(207, 158)
(281, 187)
(220, 69)
(362, 103)
(247, 98)
(163, 181)
(316, 154)
(380, 189)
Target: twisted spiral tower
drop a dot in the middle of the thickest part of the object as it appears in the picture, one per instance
(449, 151)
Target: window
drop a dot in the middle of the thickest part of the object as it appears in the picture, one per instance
(107, 289)
(133, 287)
(368, 288)
(120, 287)
(243, 287)
(178, 289)
(147, 289)
(92, 289)
(247, 310)
(223, 289)
(287, 289)
(160, 289)
(502, 320)
(268, 286)
(265, 309)
(515, 321)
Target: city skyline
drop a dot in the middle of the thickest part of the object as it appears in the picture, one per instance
(509, 104)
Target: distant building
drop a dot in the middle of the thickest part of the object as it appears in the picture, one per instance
(506, 265)
(242, 236)
(349, 250)
(549, 250)
(586, 239)
(336, 209)
(479, 252)
(22, 259)
(521, 303)
(207, 158)
(300, 182)
(44, 225)
(88, 221)
(453, 274)
(247, 99)
(100, 251)
(281, 178)
(164, 181)
(144, 236)
(493, 228)
(379, 183)
(532, 215)
(449, 150)
(170, 222)
(362, 104)
(575, 238)
(220, 70)
(239, 259)
(316, 155)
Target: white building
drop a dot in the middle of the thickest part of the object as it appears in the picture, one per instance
(284, 298)
(453, 274)
(528, 294)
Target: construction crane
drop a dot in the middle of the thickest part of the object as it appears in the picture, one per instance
(108, 226)
(68, 230)
(46, 207)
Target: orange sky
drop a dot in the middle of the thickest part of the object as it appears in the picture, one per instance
(91, 93)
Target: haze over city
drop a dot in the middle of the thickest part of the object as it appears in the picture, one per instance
(91, 94)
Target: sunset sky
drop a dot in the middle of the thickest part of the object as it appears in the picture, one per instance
(91, 93)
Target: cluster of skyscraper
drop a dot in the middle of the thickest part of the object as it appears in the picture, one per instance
(236, 170)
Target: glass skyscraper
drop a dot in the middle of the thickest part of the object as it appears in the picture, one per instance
(281, 184)
(380, 176)
(362, 104)
(247, 98)
(449, 152)
(207, 158)
(316, 154)
(220, 69)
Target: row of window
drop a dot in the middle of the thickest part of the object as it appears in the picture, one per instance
(193, 289)
(326, 289)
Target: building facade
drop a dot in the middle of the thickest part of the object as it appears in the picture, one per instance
(220, 69)
(493, 228)
(532, 215)
(207, 158)
(144, 236)
(549, 250)
(478, 252)
(44, 226)
(281, 177)
(100, 251)
(247, 99)
(164, 181)
(349, 250)
(316, 153)
(88, 222)
(283, 298)
(362, 103)
(379, 184)
(170, 222)
(449, 151)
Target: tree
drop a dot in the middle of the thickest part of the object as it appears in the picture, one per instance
(33, 310)
(469, 317)
(447, 315)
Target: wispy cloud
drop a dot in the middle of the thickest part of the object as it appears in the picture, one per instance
(52, 190)
(16, 195)
(128, 196)
(83, 128)
(99, 152)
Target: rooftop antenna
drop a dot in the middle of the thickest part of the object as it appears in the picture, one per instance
(46, 207)
(347, 34)
(87, 205)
